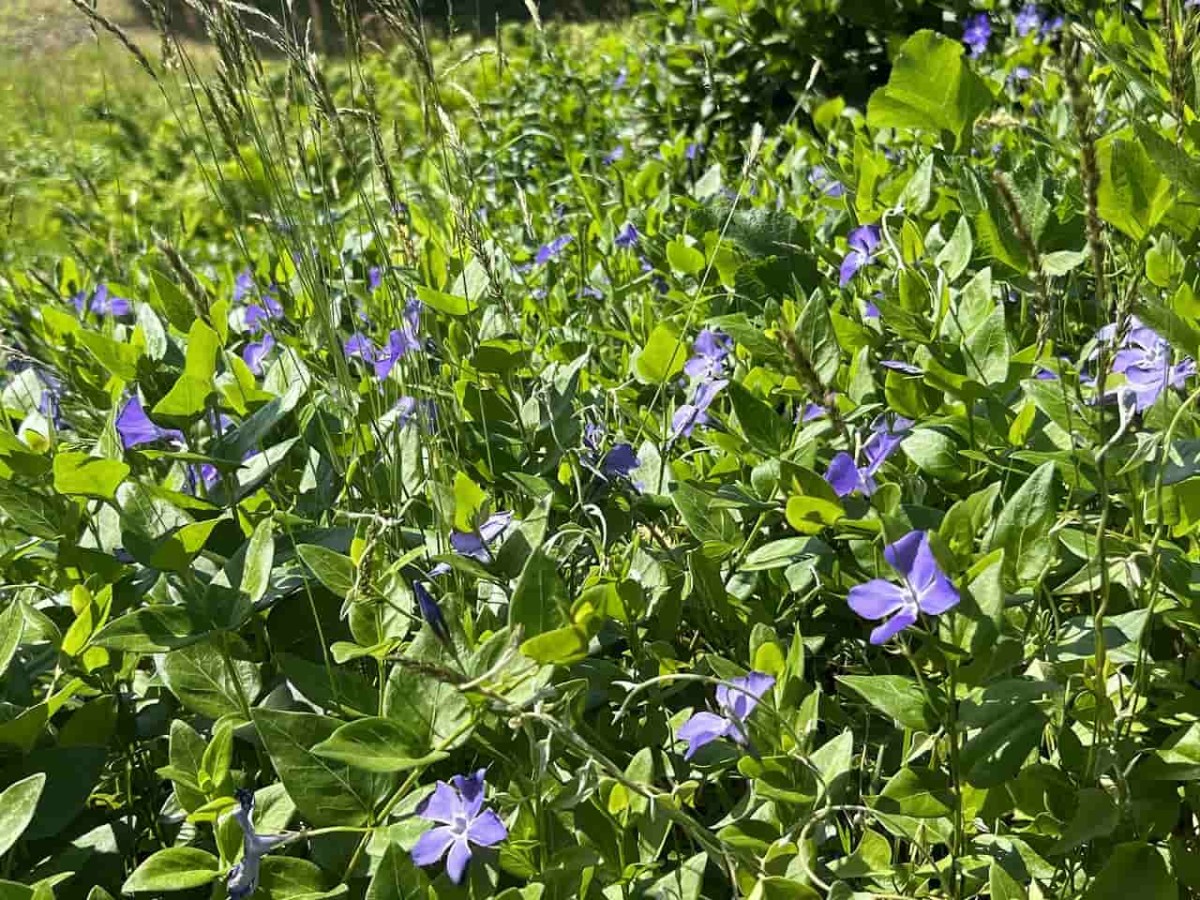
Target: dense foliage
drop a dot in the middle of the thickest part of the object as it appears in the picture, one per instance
(479, 471)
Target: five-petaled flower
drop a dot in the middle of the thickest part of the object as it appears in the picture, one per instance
(845, 476)
(864, 241)
(689, 415)
(242, 880)
(550, 251)
(923, 588)
(977, 33)
(1143, 360)
(256, 351)
(627, 238)
(259, 314)
(103, 303)
(463, 822)
(735, 700)
(135, 427)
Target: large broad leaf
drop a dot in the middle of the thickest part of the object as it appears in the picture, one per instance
(78, 474)
(931, 88)
(1134, 870)
(173, 869)
(663, 356)
(763, 427)
(71, 774)
(325, 792)
(1133, 195)
(397, 877)
(996, 753)
(540, 598)
(331, 568)
(17, 805)
(816, 339)
(895, 696)
(1022, 529)
(12, 627)
(188, 398)
(431, 714)
(32, 513)
(377, 745)
(152, 629)
(205, 683)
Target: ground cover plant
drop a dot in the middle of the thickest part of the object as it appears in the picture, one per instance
(461, 468)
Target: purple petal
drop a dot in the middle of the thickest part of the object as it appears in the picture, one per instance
(707, 392)
(359, 345)
(256, 352)
(702, 728)
(843, 475)
(893, 626)
(686, 418)
(487, 830)
(471, 788)
(865, 239)
(739, 698)
(870, 310)
(902, 555)
(938, 596)
(852, 262)
(898, 365)
(443, 805)
(494, 526)
(432, 845)
(457, 859)
(876, 598)
(620, 461)
(470, 544)
(135, 427)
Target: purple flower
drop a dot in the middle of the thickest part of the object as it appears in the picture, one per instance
(810, 412)
(709, 351)
(242, 880)
(622, 77)
(694, 149)
(103, 303)
(736, 701)
(205, 474)
(976, 34)
(627, 238)
(360, 346)
(845, 476)
(256, 351)
(820, 178)
(474, 544)
(593, 434)
(620, 461)
(551, 251)
(259, 314)
(688, 416)
(924, 588)
(243, 284)
(615, 154)
(431, 612)
(1019, 75)
(864, 241)
(1051, 27)
(1144, 359)
(1028, 19)
(405, 409)
(899, 365)
(374, 278)
(463, 820)
(400, 342)
(135, 427)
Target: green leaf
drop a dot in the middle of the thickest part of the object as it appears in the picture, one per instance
(397, 877)
(1133, 195)
(199, 676)
(1096, 816)
(325, 792)
(1003, 886)
(32, 513)
(79, 474)
(469, 500)
(260, 557)
(764, 429)
(817, 340)
(934, 453)
(778, 554)
(12, 628)
(539, 600)
(998, 751)
(377, 745)
(119, 360)
(332, 569)
(291, 878)
(432, 714)
(895, 696)
(954, 258)
(443, 302)
(171, 301)
(188, 398)
(1022, 528)
(558, 647)
(1133, 870)
(930, 88)
(18, 803)
(811, 515)
(151, 629)
(173, 869)
(175, 552)
(663, 356)
(920, 793)
(684, 259)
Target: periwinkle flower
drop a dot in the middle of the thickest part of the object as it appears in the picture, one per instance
(359, 346)
(374, 278)
(864, 241)
(689, 415)
(846, 477)
(430, 611)
(899, 365)
(136, 429)
(735, 702)
(693, 150)
(1144, 360)
(1019, 76)
(976, 34)
(614, 155)
(820, 178)
(620, 461)
(103, 303)
(401, 341)
(259, 314)
(464, 822)
(1051, 27)
(810, 412)
(549, 252)
(1028, 19)
(709, 352)
(255, 352)
(474, 544)
(242, 880)
(627, 238)
(622, 77)
(923, 588)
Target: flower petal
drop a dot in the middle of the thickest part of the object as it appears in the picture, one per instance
(902, 555)
(876, 599)
(702, 728)
(850, 266)
(939, 596)
(471, 788)
(739, 698)
(487, 830)
(456, 861)
(494, 526)
(893, 626)
(843, 475)
(432, 845)
(442, 805)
